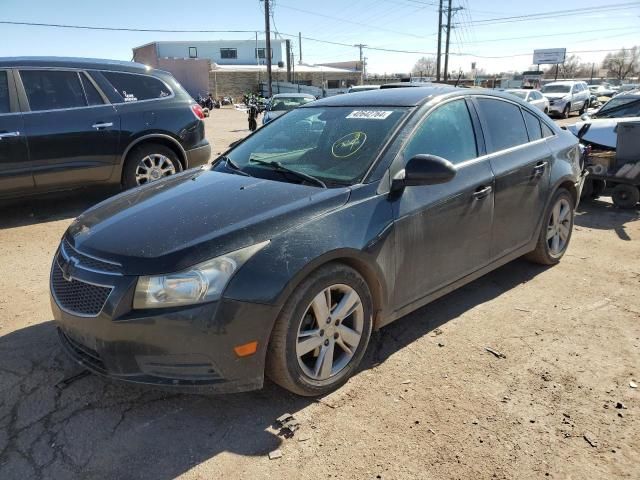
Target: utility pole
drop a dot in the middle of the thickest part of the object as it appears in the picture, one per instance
(439, 42)
(300, 48)
(593, 66)
(288, 49)
(361, 46)
(446, 54)
(267, 54)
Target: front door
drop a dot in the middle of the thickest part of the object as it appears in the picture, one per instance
(521, 161)
(15, 171)
(443, 232)
(72, 133)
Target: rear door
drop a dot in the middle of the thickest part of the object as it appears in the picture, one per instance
(72, 131)
(15, 171)
(521, 161)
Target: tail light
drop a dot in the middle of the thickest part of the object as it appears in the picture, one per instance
(197, 111)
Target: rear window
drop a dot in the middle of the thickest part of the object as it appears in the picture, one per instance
(52, 89)
(533, 126)
(504, 123)
(4, 93)
(288, 103)
(133, 87)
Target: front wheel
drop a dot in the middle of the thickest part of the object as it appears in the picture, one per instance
(556, 230)
(322, 332)
(584, 108)
(566, 111)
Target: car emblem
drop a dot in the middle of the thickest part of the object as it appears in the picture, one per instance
(68, 268)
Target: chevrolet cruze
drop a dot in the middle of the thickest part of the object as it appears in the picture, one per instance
(285, 253)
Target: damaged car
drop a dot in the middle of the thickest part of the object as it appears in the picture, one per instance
(292, 247)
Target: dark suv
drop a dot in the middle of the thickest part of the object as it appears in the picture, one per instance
(72, 122)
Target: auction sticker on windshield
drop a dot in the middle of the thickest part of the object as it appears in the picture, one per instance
(370, 114)
(348, 145)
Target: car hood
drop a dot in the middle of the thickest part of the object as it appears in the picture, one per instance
(602, 131)
(188, 218)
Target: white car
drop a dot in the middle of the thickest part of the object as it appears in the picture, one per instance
(601, 90)
(534, 97)
(566, 97)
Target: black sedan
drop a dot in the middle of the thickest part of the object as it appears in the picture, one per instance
(333, 220)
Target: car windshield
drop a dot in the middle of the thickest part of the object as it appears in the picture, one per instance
(620, 107)
(518, 93)
(334, 144)
(282, 104)
(556, 89)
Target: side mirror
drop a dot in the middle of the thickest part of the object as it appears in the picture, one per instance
(424, 170)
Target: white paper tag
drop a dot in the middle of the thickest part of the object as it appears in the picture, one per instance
(370, 114)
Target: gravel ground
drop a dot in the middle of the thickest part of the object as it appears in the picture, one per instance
(429, 402)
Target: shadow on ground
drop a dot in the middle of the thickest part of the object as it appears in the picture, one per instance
(92, 428)
(604, 215)
(20, 212)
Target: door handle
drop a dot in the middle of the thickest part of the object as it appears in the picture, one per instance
(538, 170)
(481, 192)
(102, 125)
(9, 134)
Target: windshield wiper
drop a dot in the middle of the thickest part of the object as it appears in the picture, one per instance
(278, 166)
(231, 165)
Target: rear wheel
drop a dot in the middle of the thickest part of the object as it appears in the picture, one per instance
(625, 196)
(322, 332)
(148, 163)
(556, 231)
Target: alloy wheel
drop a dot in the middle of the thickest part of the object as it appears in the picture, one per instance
(153, 167)
(559, 227)
(330, 332)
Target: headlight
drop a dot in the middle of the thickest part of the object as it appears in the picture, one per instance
(201, 283)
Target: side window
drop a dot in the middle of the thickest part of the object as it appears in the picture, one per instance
(4, 93)
(504, 124)
(546, 131)
(447, 132)
(533, 126)
(52, 89)
(93, 97)
(134, 87)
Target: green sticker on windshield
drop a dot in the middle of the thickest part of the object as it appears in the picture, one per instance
(348, 145)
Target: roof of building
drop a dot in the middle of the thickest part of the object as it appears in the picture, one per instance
(195, 43)
(275, 68)
(72, 62)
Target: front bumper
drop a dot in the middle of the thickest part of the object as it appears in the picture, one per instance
(198, 156)
(189, 348)
(557, 106)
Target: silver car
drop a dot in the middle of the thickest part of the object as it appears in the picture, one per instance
(566, 97)
(534, 97)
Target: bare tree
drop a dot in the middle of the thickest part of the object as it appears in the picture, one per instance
(425, 66)
(624, 63)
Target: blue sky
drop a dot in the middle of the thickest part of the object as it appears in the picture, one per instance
(392, 24)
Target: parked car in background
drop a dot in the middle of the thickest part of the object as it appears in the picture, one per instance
(348, 213)
(362, 88)
(566, 97)
(68, 123)
(626, 104)
(601, 90)
(283, 102)
(626, 87)
(534, 97)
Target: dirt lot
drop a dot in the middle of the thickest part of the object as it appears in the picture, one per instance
(430, 401)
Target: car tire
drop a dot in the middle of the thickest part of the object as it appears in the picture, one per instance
(546, 111)
(625, 195)
(584, 108)
(566, 111)
(307, 373)
(558, 218)
(149, 162)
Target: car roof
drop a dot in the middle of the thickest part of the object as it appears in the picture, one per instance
(392, 97)
(564, 82)
(72, 62)
(293, 95)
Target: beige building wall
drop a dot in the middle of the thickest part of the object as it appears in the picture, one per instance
(192, 73)
(146, 55)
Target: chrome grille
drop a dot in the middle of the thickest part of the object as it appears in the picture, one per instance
(75, 296)
(89, 263)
